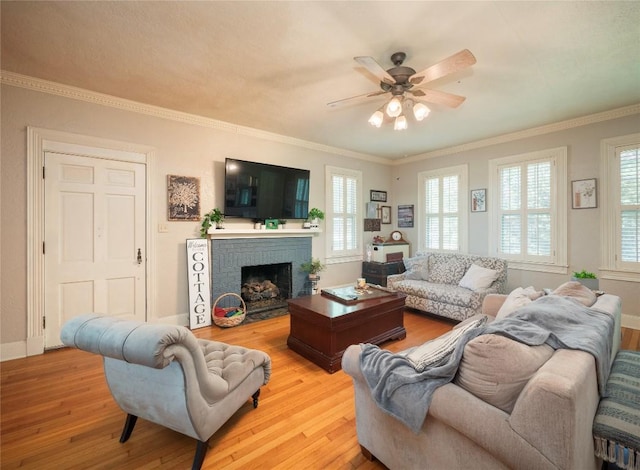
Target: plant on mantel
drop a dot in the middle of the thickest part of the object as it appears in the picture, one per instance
(214, 217)
(315, 213)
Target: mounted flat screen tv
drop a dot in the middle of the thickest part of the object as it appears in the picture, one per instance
(262, 191)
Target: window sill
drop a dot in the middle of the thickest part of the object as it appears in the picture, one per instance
(542, 268)
(619, 275)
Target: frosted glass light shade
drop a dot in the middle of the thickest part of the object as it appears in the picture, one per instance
(400, 124)
(420, 111)
(394, 107)
(376, 119)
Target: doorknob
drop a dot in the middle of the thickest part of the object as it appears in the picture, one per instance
(139, 256)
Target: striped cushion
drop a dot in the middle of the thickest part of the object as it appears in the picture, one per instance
(616, 427)
(435, 351)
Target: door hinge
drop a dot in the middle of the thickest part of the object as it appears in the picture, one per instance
(42, 172)
(44, 323)
(43, 248)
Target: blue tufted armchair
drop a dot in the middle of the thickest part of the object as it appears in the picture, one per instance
(163, 374)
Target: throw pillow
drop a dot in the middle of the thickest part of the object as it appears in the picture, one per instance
(435, 351)
(577, 291)
(417, 268)
(478, 277)
(518, 297)
(495, 368)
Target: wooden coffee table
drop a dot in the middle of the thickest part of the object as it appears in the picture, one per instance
(322, 328)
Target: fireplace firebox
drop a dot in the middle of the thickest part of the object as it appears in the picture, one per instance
(266, 287)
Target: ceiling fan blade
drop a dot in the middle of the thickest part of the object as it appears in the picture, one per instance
(354, 98)
(375, 68)
(438, 97)
(456, 62)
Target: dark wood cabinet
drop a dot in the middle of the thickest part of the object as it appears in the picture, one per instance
(376, 273)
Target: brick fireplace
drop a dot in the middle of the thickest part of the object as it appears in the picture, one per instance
(230, 255)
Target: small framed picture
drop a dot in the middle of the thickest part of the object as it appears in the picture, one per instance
(378, 196)
(271, 224)
(372, 210)
(405, 216)
(478, 200)
(386, 214)
(584, 194)
(183, 197)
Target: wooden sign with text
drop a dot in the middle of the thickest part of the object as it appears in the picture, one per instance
(199, 285)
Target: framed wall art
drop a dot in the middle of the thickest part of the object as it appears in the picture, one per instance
(405, 216)
(377, 196)
(371, 225)
(584, 194)
(183, 196)
(385, 216)
(478, 200)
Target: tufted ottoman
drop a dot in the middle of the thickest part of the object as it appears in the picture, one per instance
(616, 427)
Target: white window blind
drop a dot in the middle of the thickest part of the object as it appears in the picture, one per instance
(527, 213)
(344, 190)
(620, 193)
(630, 205)
(444, 209)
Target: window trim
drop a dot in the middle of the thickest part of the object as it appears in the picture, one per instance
(348, 255)
(610, 187)
(558, 263)
(463, 206)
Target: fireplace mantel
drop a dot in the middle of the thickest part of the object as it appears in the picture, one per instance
(224, 233)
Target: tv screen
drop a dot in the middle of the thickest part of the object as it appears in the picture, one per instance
(262, 191)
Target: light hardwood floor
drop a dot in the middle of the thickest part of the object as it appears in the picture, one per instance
(57, 413)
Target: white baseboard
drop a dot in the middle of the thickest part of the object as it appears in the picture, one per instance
(631, 321)
(15, 350)
(180, 319)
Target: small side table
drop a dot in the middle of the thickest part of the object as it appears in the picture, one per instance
(376, 273)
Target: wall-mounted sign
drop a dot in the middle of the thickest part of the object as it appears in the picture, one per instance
(199, 285)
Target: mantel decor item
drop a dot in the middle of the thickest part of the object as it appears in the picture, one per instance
(271, 224)
(214, 217)
(478, 200)
(584, 194)
(405, 216)
(377, 196)
(183, 197)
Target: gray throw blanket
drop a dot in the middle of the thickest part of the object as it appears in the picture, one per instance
(560, 322)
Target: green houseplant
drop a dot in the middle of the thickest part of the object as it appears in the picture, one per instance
(312, 267)
(316, 213)
(587, 279)
(214, 217)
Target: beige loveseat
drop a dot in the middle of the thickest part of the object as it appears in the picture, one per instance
(548, 427)
(432, 283)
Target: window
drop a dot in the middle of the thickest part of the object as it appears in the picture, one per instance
(344, 216)
(621, 208)
(528, 214)
(443, 209)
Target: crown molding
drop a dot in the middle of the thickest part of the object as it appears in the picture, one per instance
(58, 89)
(533, 132)
(53, 88)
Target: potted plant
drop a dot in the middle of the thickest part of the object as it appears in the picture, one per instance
(315, 215)
(312, 267)
(214, 217)
(587, 279)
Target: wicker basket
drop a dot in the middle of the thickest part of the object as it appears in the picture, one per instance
(227, 322)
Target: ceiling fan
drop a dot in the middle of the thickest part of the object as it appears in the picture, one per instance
(405, 85)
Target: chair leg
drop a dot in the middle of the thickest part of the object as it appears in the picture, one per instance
(201, 451)
(129, 423)
(255, 398)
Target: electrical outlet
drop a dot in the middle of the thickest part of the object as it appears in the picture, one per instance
(163, 228)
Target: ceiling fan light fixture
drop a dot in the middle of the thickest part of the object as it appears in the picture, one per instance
(420, 111)
(394, 107)
(400, 124)
(376, 119)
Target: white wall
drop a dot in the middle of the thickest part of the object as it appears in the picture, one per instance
(195, 150)
(583, 144)
(181, 149)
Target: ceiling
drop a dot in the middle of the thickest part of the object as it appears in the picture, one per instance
(274, 66)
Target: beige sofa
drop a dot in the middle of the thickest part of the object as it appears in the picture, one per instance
(549, 426)
(433, 281)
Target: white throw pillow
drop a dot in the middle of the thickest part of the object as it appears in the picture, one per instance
(434, 351)
(478, 277)
(518, 297)
(417, 268)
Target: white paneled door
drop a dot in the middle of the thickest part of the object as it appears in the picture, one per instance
(94, 240)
